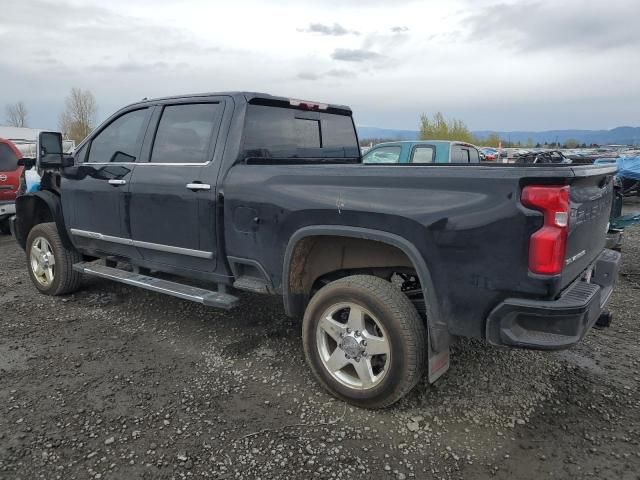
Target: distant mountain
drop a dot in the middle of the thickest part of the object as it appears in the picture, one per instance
(618, 135)
(386, 133)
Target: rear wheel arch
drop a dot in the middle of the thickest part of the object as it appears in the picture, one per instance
(296, 292)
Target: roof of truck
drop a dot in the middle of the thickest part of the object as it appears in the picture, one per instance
(248, 96)
(414, 142)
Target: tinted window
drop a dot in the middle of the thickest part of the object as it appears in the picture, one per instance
(120, 141)
(474, 155)
(8, 158)
(184, 133)
(276, 132)
(390, 154)
(459, 154)
(422, 155)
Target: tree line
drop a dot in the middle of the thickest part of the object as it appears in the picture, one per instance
(437, 127)
(75, 122)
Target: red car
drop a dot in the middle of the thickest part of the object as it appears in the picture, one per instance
(10, 173)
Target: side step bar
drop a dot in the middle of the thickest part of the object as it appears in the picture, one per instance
(186, 292)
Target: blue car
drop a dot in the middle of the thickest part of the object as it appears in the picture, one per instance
(422, 151)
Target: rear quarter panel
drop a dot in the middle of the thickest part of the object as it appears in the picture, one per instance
(466, 222)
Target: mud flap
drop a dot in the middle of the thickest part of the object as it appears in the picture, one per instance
(439, 360)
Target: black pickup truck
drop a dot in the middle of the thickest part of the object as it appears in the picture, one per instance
(202, 195)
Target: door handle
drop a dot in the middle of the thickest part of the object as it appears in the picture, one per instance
(116, 182)
(198, 186)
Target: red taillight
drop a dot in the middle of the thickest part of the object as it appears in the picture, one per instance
(547, 247)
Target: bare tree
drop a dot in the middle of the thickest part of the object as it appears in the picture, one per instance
(79, 116)
(16, 114)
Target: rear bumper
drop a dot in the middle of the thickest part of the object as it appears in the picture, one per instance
(556, 324)
(7, 209)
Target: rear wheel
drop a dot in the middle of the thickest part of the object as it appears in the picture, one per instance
(50, 263)
(364, 341)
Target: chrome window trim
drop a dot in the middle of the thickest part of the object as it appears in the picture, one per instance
(149, 163)
(138, 243)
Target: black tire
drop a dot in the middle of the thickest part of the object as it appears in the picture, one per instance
(5, 229)
(402, 323)
(65, 279)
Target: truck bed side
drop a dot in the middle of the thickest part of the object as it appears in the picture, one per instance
(466, 222)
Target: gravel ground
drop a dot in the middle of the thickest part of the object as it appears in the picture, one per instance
(118, 383)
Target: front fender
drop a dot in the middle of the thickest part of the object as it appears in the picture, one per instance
(39, 207)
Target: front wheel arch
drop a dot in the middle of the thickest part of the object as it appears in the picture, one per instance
(36, 208)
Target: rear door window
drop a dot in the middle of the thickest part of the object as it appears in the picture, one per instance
(474, 156)
(8, 158)
(289, 133)
(422, 154)
(121, 140)
(185, 132)
(388, 154)
(459, 154)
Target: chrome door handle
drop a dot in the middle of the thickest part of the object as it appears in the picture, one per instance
(198, 186)
(113, 181)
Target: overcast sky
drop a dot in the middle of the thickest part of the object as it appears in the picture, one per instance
(513, 65)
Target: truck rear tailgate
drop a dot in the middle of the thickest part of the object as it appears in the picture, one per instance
(590, 203)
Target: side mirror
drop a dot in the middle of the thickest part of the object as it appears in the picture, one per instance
(27, 162)
(50, 153)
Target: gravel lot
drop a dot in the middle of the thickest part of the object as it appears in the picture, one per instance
(118, 383)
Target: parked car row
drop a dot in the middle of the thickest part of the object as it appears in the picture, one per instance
(10, 175)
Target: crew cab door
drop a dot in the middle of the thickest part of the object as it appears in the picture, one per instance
(95, 189)
(172, 198)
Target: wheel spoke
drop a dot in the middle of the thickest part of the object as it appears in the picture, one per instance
(337, 360)
(356, 318)
(332, 327)
(52, 259)
(35, 266)
(365, 372)
(376, 345)
(48, 273)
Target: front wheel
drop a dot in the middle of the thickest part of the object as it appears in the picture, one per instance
(50, 262)
(364, 341)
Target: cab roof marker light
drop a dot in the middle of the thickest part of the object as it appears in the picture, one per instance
(308, 105)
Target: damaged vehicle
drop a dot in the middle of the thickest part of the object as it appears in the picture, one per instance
(386, 264)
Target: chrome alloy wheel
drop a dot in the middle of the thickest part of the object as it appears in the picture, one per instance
(353, 346)
(42, 261)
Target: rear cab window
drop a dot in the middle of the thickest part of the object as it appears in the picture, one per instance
(278, 131)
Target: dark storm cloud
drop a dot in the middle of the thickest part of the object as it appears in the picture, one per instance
(355, 55)
(335, 30)
(530, 26)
